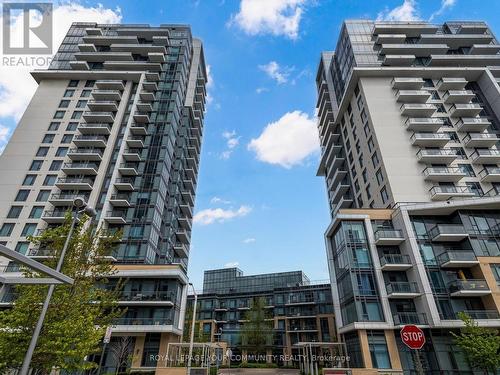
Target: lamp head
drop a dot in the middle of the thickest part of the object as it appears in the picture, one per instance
(79, 202)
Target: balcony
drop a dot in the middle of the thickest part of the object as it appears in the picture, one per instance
(138, 49)
(116, 217)
(418, 110)
(465, 110)
(186, 210)
(149, 86)
(464, 60)
(147, 298)
(415, 318)
(181, 250)
(451, 83)
(85, 154)
(398, 60)
(337, 177)
(141, 325)
(79, 65)
(188, 184)
(388, 237)
(425, 124)
(106, 117)
(120, 200)
(443, 174)
(445, 156)
(135, 142)
(102, 105)
(132, 154)
(83, 140)
(484, 49)
(41, 253)
(94, 128)
(445, 192)
(430, 139)
(124, 184)
(395, 262)
(190, 173)
(412, 96)
(390, 38)
(139, 129)
(144, 106)
(457, 259)
(74, 183)
(65, 199)
(402, 290)
(182, 236)
(476, 315)
(485, 156)
(132, 65)
(141, 117)
(480, 140)
(341, 189)
(469, 288)
(490, 174)
(458, 96)
(86, 47)
(407, 83)
(472, 124)
(54, 216)
(184, 222)
(113, 95)
(82, 168)
(418, 50)
(455, 41)
(188, 197)
(128, 169)
(410, 29)
(110, 84)
(147, 96)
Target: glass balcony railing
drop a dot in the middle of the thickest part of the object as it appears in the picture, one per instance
(447, 229)
(403, 318)
(402, 287)
(388, 234)
(469, 285)
(143, 321)
(456, 256)
(148, 295)
(474, 314)
(394, 259)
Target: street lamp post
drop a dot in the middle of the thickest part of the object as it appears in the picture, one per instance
(191, 340)
(80, 206)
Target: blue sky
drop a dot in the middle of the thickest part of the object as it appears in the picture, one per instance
(259, 203)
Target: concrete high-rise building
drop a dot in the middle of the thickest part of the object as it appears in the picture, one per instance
(408, 122)
(117, 118)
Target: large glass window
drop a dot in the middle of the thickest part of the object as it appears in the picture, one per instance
(378, 349)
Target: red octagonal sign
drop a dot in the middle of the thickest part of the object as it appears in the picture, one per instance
(412, 336)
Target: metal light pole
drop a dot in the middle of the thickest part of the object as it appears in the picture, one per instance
(191, 340)
(80, 206)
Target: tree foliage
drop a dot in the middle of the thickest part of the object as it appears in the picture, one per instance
(78, 314)
(257, 330)
(480, 345)
(199, 334)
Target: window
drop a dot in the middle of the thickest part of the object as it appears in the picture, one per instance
(29, 179)
(90, 83)
(50, 180)
(67, 138)
(61, 151)
(42, 151)
(384, 195)
(22, 195)
(495, 268)
(43, 196)
(363, 115)
(59, 114)
(368, 192)
(378, 349)
(22, 247)
(69, 93)
(64, 103)
(55, 165)
(73, 83)
(371, 145)
(81, 104)
(76, 115)
(467, 169)
(36, 212)
(366, 129)
(54, 126)
(36, 165)
(71, 126)
(14, 212)
(28, 230)
(48, 138)
(380, 176)
(375, 160)
(475, 188)
(365, 176)
(85, 93)
(6, 229)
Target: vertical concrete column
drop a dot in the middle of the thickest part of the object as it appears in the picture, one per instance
(392, 348)
(138, 351)
(365, 349)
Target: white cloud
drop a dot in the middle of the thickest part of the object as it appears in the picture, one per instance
(4, 137)
(216, 200)
(219, 215)
(232, 141)
(405, 12)
(275, 71)
(232, 265)
(288, 141)
(210, 85)
(276, 17)
(16, 84)
(249, 240)
(445, 5)
(260, 90)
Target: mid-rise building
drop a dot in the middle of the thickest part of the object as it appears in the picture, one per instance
(300, 311)
(117, 118)
(408, 122)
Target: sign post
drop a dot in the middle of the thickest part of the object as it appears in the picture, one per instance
(414, 338)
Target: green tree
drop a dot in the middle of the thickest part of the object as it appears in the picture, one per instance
(257, 330)
(480, 345)
(78, 314)
(199, 334)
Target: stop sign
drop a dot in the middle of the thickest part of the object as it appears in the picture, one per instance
(412, 336)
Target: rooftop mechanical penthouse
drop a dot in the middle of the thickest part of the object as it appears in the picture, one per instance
(117, 119)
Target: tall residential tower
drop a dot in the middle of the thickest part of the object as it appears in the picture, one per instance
(409, 122)
(117, 119)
